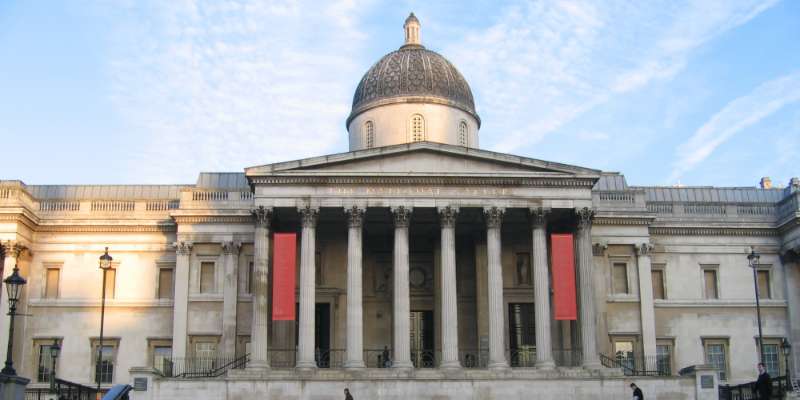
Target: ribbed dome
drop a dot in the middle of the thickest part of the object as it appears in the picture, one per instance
(412, 73)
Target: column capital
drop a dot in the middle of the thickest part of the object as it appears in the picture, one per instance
(644, 249)
(402, 216)
(494, 216)
(231, 247)
(448, 216)
(539, 217)
(183, 248)
(12, 248)
(308, 216)
(355, 216)
(261, 216)
(585, 216)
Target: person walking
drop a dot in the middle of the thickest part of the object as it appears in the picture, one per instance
(387, 362)
(347, 395)
(763, 386)
(637, 393)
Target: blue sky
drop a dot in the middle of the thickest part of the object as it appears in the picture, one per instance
(698, 93)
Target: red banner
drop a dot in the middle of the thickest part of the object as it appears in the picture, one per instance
(562, 256)
(283, 276)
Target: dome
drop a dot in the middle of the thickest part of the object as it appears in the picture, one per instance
(412, 74)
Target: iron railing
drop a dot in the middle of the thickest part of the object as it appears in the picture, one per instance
(199, 367)
(64, 390)
(639, 365)
(474, 358)
(568, 358)
(746, 391)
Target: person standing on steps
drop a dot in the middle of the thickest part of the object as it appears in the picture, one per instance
(637, 393)
(347, 395)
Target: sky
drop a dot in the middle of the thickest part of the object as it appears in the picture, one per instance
(700, 92)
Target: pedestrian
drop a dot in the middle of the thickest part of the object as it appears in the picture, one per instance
(763, 387)
(387, 362)
(637, 393)
(347, 395)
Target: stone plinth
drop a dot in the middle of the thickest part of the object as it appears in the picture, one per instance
(12, 387)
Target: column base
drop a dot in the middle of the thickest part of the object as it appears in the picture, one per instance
(498, 366)
(354, 364)
(305, 366)
(545, 364)
(258, 365)
(450, 365)
(592, 364)
(402, 365)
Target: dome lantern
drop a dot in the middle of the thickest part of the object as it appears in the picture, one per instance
(411, 28)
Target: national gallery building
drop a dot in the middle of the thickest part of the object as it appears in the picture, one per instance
(416, 265)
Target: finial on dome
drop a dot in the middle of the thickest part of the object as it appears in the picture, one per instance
(412, 31)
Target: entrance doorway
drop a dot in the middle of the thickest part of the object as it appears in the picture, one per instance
(422, 345)
(322, 333)
(522, 334)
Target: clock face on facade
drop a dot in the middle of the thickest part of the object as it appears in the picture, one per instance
(417, 278)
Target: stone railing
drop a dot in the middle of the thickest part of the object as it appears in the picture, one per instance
(628, 199)
(751, 211)
(789, 207)
(194, 199)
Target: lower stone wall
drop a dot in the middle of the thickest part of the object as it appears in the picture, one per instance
(672, 388)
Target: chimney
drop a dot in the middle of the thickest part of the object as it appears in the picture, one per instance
(766, 183)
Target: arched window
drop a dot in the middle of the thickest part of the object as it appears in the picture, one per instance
(369, 134)
(463, 133)
(417, 128)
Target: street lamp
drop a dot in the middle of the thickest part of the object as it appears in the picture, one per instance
(14, 284)
(753, 258)
(787, 350)
(105, 265)
(55, 350)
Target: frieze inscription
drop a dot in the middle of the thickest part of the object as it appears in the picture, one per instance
(424, 191)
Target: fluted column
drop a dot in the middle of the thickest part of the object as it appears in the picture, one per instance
(585, 271)
(646, 300)
(180, 313)
(355, 310)
(497, 353)
(447, 217)
(305, 347)
(259, 339)
(402, 302)
(12, 250)
(230, 260)
(541, 283)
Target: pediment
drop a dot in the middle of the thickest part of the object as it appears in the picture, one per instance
(422, 159)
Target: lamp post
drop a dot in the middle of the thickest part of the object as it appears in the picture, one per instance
(55, 350)
(105, 265)
(14, 284)
(753, 258)
(787, 350)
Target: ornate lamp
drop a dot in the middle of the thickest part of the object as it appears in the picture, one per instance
(786, 347)
(14, 284)
(55, 351)
(105, 265)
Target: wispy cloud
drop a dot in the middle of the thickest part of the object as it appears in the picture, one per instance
(543, 64)
(737, 115)
(224, 85)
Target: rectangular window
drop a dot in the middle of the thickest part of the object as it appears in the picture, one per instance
(620, 278)
(51, 283)
(658, 284)
(205, 352)
(710, 284)
(664, 358)
(716, 354)
(161, 355)
(44, 359)
(111, 283)
(764, 286)
(207, 277)
(772, 360)
(104, 370)
(165, 283)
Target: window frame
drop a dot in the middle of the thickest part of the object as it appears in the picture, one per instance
(114, 343)
(152, 344)
(160, 266)
(369, 134)
(772, 341)
(199, 275)
(765, 268)
(411, 129)
(463, 134)
(112, 281)
(46, 267)
(724, 341)
(628, 287)
(669, 342)
(715, 269)
(37, 357)
(662, 269)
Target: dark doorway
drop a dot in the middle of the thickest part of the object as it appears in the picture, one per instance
(422, 339)
(322, 335)
(522, 334)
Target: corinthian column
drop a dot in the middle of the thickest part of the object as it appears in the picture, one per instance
(230, 260)
(180, 313)
(646, 301)
(585, 271)
(541, 283)
(447, 216)
(305, 347)
(497, 354)
(355, 310)
(402, 339)
(259, 353)
(12, 250)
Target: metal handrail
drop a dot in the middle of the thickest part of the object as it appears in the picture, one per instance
(199, 367)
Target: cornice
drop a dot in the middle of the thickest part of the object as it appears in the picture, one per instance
(705, 231)
(789, 225)
(569, 182)
(23, 218)
(165, 228)
(213, 219)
